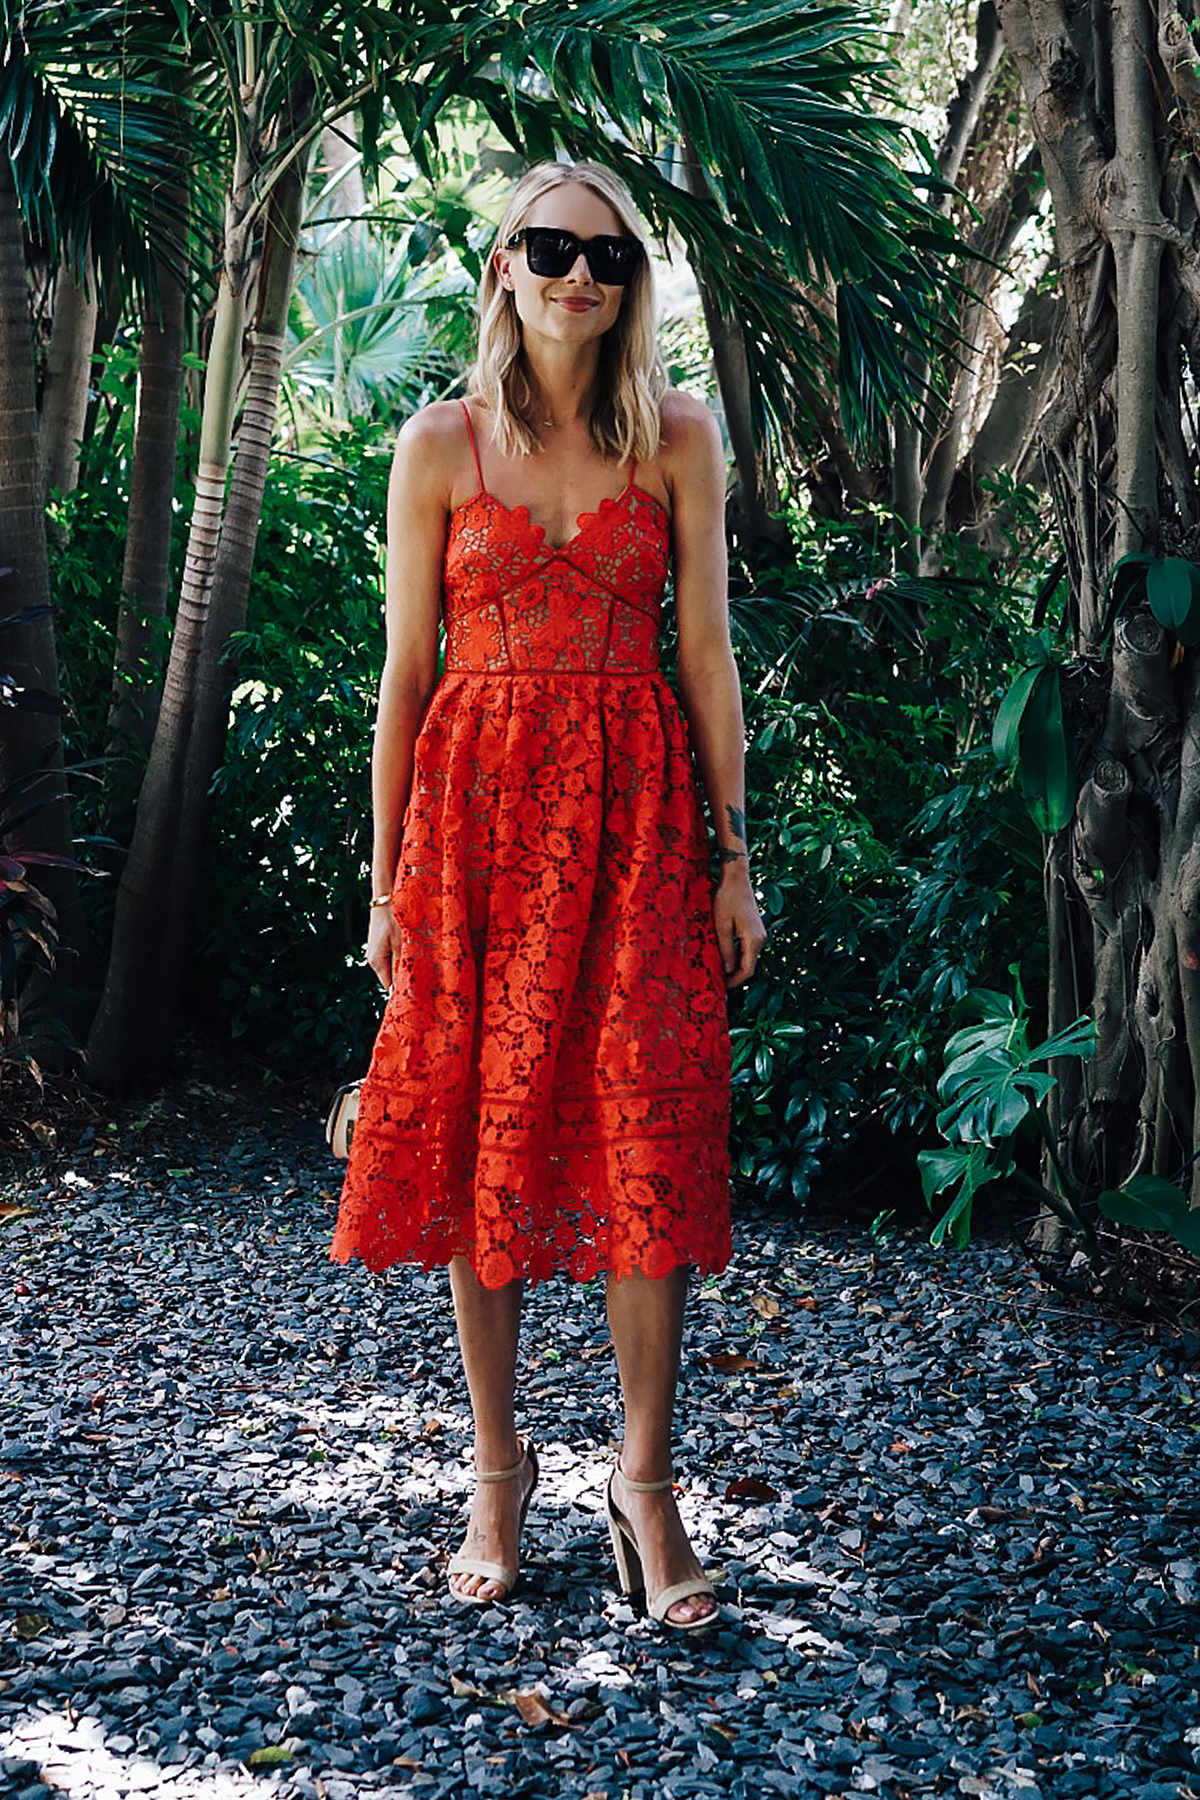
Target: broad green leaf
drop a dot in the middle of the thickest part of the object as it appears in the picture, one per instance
(1173, 590)
(1156, 1190)
(1005, 732)
(1127, 1209)
(972, 1168)
(1047, 754)
(1077, 1039)
(1151, 1203)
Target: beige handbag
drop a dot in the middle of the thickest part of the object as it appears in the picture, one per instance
(339, 1126)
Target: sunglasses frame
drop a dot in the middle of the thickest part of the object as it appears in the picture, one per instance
(521, 240)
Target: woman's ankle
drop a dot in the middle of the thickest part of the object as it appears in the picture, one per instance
(496, 1453)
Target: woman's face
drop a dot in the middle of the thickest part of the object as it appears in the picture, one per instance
(570, 308)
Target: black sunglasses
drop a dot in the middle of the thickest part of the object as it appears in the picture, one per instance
(548, 251)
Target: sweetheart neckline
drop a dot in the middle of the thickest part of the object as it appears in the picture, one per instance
(582, 519)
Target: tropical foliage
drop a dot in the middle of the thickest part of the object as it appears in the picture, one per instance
(238, 243)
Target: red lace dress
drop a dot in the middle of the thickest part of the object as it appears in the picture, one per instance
(549, 1089)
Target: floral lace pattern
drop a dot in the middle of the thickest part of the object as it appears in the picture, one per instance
(549, 1088)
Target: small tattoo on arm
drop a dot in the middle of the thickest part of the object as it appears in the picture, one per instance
(728, 856)
(737, 822)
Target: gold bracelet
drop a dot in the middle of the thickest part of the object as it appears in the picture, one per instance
(381, 900)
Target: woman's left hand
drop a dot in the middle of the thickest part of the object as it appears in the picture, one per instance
(740, 930)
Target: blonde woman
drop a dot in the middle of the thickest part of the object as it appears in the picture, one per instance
(549, 1091)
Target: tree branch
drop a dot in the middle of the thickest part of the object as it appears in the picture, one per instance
(963, 112)
(1177, 48)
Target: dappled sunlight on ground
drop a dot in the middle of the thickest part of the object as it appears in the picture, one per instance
(75, 1757)
(953, 1550)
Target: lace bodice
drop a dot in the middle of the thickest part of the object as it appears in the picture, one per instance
(514, 602)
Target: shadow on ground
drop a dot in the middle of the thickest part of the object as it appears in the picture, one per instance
(955, 1516)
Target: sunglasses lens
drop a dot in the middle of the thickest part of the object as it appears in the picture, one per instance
(549, 252)
(612, 260)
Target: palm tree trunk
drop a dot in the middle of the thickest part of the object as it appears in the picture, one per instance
(133, 711)
(156, 903)
(68, 375)
(31, 741)
(134, 976)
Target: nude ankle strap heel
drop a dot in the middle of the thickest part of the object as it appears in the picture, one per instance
(628, 1559)
(500, 1573)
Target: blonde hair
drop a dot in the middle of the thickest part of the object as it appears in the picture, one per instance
(631, 379)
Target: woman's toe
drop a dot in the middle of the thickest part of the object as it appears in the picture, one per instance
(687, 1612)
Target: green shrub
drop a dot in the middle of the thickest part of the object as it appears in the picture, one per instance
(894, 864)
(283, 913)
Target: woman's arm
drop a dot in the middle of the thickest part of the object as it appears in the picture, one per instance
(707, 677)
(418, 504)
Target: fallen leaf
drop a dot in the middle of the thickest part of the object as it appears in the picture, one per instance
(266, 1755)
(807, 1302)
(533, 1708)
(31, 1625)
(899, 1447)
(766, 1306)
(405, 1762)
(733, 1364)
(15, 1212)
(431, 1427)
(466, 1690)
(749, 1487)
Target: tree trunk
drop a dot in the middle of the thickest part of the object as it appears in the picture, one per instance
(133, 711)
(68, 375)
(755, 501)
(912, 437)
(119, 1051)
(31, 741)
(156, 905)
(1114, 94)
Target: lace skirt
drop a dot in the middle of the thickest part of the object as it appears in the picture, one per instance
(549, 1089)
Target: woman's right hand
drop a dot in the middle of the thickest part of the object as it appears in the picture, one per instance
(383, 944)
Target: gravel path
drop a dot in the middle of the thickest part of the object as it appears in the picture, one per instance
(956, 1517)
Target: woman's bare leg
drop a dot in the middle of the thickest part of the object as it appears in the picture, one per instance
(645, 1316)
(489, 1322)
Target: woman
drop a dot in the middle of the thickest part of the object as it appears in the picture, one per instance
(549, 1089)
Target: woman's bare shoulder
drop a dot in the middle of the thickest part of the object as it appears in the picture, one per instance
(690, 450)
(434, 428)
(429, 447)
(689, 427)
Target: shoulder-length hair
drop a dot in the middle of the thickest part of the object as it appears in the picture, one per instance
(631, 378)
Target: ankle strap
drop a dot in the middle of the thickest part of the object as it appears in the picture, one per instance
(504, 1474)
(645, 1487)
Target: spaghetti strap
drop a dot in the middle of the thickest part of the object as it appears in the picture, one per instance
(474, 445)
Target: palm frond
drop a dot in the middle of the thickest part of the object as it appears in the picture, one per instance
(808, 182)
